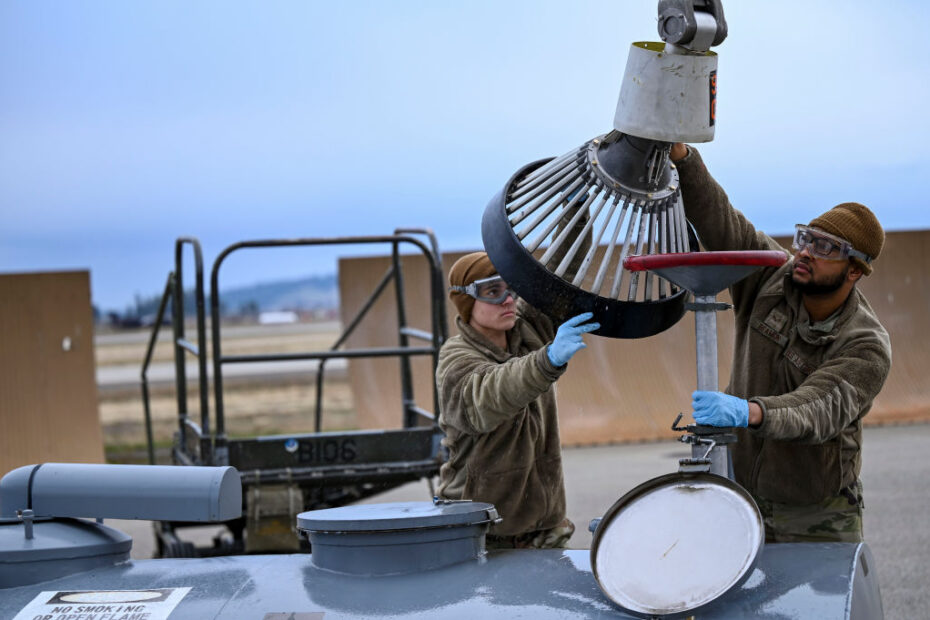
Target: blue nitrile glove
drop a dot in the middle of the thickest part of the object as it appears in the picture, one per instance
(568, 338)
(719, 409)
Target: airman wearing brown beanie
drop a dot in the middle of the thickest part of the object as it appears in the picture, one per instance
(467, 269)
(498, 408)
(809, 358)
(856, 224)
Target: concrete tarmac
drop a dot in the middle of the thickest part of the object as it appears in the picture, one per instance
(895, 475)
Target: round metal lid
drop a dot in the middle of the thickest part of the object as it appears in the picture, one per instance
(676, 543)
(60, 539)
(396, 516)
(58, 547)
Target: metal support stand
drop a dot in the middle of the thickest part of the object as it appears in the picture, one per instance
(705, 274)
(709, 450)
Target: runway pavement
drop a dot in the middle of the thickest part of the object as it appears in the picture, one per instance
(895, 474)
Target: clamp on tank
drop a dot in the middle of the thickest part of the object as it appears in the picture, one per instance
(493, 517)
(715, 458)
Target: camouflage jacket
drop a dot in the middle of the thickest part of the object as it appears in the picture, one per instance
(498, 412)
(814, 381)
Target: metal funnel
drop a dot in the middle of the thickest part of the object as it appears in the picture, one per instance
(573, 213)
(560, 229)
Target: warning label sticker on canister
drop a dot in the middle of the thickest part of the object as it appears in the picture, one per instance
(152, 604)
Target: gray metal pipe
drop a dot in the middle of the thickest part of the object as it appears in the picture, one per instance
(152, 492)
(705, 330)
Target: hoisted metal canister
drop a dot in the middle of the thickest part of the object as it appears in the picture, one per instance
(668, 96)
(560, 229)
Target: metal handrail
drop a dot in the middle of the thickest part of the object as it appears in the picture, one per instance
(320, 355)
(437, 337)
(438, 307)
(174, 289)
(220, 453)
(180, 348)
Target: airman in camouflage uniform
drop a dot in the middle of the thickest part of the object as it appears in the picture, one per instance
(498, 411)
(809, 358)
(836, 519)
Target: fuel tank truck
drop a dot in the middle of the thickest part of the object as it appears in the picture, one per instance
(60, 561)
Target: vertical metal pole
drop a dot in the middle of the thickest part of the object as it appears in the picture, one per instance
(150, 441)
(437, 294)
(705, 330)
(406, 382)
(206, 442)
(220, 449)
(180, 366)
(439, 331)
(318, 408)
(206, 449)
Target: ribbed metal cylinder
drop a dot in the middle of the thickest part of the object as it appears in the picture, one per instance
(577, 217)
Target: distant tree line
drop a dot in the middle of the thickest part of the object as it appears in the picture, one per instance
(312, 293)
(143, 312)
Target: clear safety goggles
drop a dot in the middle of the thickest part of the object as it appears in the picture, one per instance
(824, 245)
(492, 290)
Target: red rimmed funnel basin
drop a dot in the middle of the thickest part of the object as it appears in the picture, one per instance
(706, 273)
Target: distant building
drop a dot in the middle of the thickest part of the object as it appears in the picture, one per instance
(277, 317)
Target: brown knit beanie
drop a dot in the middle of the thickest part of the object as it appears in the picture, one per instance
(858, 225)
(466, 270)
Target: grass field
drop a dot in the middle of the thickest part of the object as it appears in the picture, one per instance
(260, 405)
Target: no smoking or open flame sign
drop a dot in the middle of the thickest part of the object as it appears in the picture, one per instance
(153, 604)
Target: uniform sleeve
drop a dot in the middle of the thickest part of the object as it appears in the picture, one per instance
(831, 398)
(478, 395)
(719, 225)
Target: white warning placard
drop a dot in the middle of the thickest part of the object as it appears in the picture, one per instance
(152, 604)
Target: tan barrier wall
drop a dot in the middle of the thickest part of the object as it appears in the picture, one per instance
(48, 392)
(631, 390)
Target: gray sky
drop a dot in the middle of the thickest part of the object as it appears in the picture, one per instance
(124, 125)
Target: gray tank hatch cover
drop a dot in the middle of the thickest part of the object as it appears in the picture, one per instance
(57, 548)
(395, 516)
(396, 538)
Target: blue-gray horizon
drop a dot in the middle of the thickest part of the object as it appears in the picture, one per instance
(124, 126)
